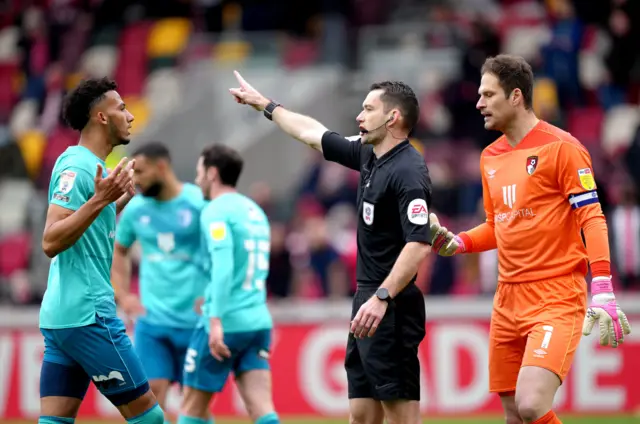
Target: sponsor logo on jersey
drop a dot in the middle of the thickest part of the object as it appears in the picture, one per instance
(166, 242)
(417, 212)
(526, 213)
(539, 353)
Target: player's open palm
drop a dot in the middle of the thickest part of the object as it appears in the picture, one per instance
(247, 95)
(117, 183)
(217, 347)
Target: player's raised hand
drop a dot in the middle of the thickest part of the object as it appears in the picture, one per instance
(247, 95)
(443, 241)
(131, 190)
(217, 347)
(117, 183)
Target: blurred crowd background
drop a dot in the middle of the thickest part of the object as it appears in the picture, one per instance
(173, 59)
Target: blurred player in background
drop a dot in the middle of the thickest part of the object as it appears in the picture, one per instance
(539, 195)
(165, 219)
(84, 339)
(234, 334)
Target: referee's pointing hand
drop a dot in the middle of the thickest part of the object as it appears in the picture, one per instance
(368, 318)
(247, 95)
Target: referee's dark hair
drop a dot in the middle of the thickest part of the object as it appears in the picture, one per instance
(227, 160)
(400, 95)
(77, 105)
(153, 150)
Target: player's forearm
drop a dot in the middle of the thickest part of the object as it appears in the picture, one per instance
(121, 271)
(596, 237)
(122, 202)
(300, 127)
(479, 239)
(61, 235)
(217, 292)
(406, 267)
(217, 296)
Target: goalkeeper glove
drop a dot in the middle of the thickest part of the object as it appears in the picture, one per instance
(443, 241)
(612, 321)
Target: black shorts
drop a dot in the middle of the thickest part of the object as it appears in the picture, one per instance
(385, 367)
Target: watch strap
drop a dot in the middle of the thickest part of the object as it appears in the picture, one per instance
(268, 111)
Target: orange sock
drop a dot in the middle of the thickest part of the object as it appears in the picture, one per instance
(548, 418)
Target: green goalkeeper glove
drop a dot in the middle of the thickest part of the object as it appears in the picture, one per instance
(443, 241)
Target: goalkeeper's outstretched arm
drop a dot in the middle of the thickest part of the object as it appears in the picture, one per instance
(475, 240)
(482, 237)
(479, 239)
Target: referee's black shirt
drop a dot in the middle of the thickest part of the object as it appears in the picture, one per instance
(394, 196)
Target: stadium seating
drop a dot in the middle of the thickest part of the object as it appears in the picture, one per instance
(148, 55)
(99, 61)
(32, 144)
(14, 253)
(619, 128)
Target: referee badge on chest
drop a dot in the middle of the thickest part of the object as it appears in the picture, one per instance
(367, 213)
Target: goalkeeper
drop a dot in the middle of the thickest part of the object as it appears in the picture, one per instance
(540, 198)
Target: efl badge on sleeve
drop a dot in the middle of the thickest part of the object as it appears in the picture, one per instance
(67, 178)
(218, 231)
(532, 164)
(586, 179)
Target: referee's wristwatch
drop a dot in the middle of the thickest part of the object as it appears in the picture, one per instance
(383, 294)
(268, 111)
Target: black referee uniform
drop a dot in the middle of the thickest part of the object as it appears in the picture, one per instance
(393, 192)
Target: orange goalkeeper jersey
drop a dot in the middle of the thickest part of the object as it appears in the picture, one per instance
(531, 193)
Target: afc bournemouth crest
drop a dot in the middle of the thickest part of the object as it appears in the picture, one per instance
(532, 164)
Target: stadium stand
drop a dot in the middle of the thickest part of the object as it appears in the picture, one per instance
(587, 83)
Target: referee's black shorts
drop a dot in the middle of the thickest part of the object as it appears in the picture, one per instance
(385, 367)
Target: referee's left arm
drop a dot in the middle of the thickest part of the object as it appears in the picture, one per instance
(412, 191)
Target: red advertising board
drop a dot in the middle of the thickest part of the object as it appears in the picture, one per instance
(309, 378)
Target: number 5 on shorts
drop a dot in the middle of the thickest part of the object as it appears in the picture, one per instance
(190, 360)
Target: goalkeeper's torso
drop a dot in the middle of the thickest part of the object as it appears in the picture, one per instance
(534, 189)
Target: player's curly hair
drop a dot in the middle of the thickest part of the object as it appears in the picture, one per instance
(78, 103)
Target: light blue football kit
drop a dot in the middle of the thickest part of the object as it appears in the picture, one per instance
(172, 276)
(237, 235)
(83, 336)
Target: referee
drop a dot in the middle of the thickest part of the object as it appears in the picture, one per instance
(388, 315)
